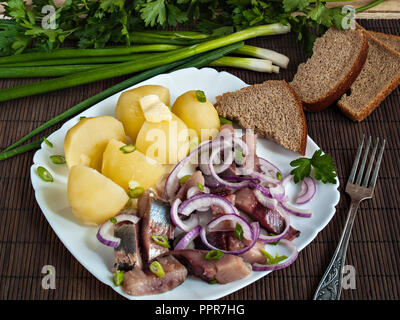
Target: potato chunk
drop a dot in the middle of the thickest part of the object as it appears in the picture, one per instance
(133, 167)
(93, 197)
(165, 141)
(129, 111)
(199, 116)
(85, 142)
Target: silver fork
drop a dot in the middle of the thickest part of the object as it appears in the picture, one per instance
(358, 189)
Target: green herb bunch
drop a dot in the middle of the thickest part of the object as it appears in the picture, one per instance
(95, 24)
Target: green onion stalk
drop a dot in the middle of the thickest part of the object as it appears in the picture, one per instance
(266, 54)
(259, 65)
(145, 63)
(79, 60)
(75, 53)
(197, 62)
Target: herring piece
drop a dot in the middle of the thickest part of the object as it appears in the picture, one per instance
(156, 220)
(138, 282)
(224, 270)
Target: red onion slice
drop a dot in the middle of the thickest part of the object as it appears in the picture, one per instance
(286, 180)
(221, 167)
(186, 225)
(266, 201)
(188, 238)
(206, 200)
(307, 192)
(195, 191)
(255, 232)
(247, 230)
(277, 192)
(105, 234)
(283, 264)
(304, 213)
(265, 178)
(233, 185)
(172, 184)
(267, 167)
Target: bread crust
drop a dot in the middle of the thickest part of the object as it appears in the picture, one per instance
(369, 108)
(303, 144)
(335, 93)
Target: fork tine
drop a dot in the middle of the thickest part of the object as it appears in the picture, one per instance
(370, 164)
(377, 166)
(364, 159)
(355, 163)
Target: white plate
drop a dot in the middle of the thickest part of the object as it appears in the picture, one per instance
(81, 240)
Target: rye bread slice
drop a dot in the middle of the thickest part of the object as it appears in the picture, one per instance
(390, 40)
(338, 57)
(378, 78)
(272, 109)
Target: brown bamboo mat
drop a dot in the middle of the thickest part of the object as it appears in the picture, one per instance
(27, 242)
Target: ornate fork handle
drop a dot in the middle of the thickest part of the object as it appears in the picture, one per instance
(331, 284)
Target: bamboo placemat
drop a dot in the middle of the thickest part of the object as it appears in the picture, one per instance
(27, 242)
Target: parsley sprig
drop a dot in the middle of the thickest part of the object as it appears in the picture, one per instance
(322, 165)
(95, 24)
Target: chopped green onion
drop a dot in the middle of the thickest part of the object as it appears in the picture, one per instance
(161, 240)
(238, 231)
(239, 156)
(184, 179)
(118, 277)
(113, 220)
(223, 121)
(135, 192)
(44, 174)
(48, 142)
(157, 269)
(271, 259)
(279, 176)
(83, 117)
(214, 255)
(273, 243)
(200, 186)
(213, 281)
(200, 95)
(57, 159)
(128, 148)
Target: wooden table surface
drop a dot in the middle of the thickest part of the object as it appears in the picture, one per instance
(389, 9)
(27, 242)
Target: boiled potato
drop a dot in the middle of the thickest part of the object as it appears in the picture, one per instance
(166, 142)
(128, 109)
(125, 167)
(93, 197)
(199, 116)
(85, 142)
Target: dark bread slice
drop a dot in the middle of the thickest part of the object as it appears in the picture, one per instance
(390, 40)
(378, 78)
(338, 57)
(272, 109)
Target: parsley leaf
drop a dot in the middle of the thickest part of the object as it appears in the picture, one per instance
(154, 13)
(324, 169)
